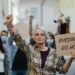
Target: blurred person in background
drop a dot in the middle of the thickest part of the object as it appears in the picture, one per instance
(51, 40)
(4, 63)
(18, 61)
(63, 27)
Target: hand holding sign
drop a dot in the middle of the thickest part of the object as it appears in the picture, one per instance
(73, 54)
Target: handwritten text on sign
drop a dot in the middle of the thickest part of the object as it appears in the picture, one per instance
(65, 43)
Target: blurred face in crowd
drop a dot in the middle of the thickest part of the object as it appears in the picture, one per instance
(4, 36)
(4, 33)
(39, 36)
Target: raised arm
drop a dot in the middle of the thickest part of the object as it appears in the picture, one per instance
(14, 33)
(67, 65)
(63, 68)
(30, 25)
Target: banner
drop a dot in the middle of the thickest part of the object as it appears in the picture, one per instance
(65, 43)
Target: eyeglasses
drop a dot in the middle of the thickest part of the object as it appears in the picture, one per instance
(41, 34)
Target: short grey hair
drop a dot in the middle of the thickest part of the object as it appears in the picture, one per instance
(41, 28)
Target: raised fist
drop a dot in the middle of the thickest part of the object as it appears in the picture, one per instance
(8, 21)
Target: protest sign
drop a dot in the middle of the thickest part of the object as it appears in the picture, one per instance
(65, 43)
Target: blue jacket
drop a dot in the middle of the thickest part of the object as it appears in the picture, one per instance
(10, 51)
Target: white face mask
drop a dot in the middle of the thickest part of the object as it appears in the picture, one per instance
(4, 39)
(50, 41)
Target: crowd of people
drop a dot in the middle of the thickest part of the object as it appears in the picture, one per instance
(38, 57)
